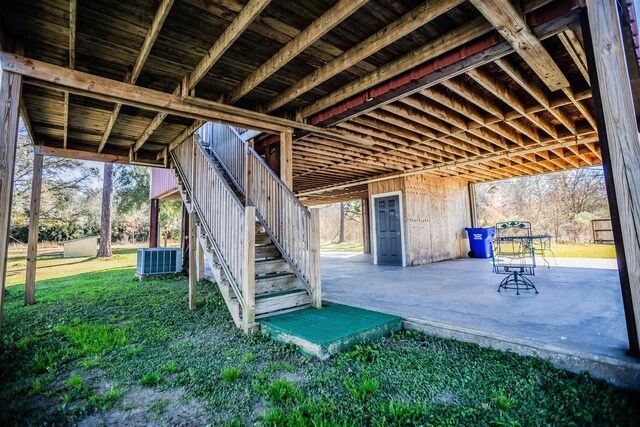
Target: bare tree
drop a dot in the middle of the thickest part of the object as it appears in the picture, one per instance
(105, 217)
(560, 204)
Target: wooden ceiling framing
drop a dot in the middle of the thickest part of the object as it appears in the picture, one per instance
(478, 89)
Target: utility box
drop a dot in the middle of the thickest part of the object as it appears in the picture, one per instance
(86, 246)
(158, 262)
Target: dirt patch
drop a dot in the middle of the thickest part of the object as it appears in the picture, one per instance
(298, 379)
(149, 407)
(448, 398)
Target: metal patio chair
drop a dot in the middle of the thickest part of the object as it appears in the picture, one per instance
(514, 255)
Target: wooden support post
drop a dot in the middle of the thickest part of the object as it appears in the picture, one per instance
(153, 223)
(314, 258)
(200, 270)
(473, 210)
(10, 92)
(247, 174)
(248, 272)
(248, 171)
(193, 242)
(193, 239)
(620, 145)
(286, 159)
(32, 245)
(184, 237)
(366, 227)
(274, 158)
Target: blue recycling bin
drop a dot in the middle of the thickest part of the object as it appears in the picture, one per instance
(480, 242)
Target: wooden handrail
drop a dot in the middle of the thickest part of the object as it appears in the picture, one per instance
(222, 142)
(286, 220)
(221, 215)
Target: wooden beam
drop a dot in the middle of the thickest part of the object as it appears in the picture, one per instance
(246, 16)
(61, 78)
(576, 51)
(321, 26)
(150, 38)
(32, 242)
(457, 61)
(83, 154)
(511, 24)
(537, 93)
(286, 159)
(621, 150)
(73, 13)
(409, 22)
(429, 50)
(474, 96)
(10, 93)
(150, 129)
(502, 92)
(147, 44)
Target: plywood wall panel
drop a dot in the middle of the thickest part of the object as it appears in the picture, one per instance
(435, 214)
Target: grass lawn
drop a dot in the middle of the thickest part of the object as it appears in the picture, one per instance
(561, 250)
(568, 250)
(342, 247)
(100, 347)
(51, 265)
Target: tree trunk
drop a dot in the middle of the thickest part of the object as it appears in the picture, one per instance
(341, 239)
(104, 250)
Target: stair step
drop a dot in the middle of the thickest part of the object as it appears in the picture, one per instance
(262, 239)
(267, 251)
(286, 300)
(271, 266)
(271, 283)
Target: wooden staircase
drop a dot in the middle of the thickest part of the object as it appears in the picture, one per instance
(276, 284)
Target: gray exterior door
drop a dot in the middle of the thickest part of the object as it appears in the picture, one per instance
(388, 234)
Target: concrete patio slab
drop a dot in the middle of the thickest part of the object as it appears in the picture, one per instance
(578, 310)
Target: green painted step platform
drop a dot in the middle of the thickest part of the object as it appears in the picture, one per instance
(324, 331)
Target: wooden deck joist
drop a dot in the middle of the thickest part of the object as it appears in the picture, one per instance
(221, 45)
(479, 52)
(150, 38)
(61, 78)
(453, 164)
